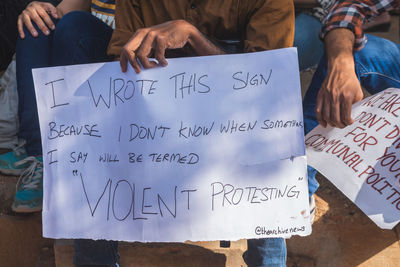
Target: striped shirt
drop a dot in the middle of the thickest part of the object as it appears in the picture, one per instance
(352, 14)
(321, 11)
(104, 10)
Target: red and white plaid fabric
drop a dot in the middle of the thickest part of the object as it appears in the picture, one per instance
(352, 14)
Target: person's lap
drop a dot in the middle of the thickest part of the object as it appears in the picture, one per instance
(378, 64)
(78, 38)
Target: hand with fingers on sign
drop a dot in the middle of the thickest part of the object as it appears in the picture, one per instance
(39, 13)
(155, 40)
(341, 87)
(339, 91)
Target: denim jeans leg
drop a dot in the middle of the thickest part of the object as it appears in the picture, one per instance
(32, 52)
(78, 38)
(266, 252)
(306, 39)
(86, 45)
(310, 119)
(99, 253)
(378, 64)
(81, 38)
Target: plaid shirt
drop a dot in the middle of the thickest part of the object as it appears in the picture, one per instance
(351, 15)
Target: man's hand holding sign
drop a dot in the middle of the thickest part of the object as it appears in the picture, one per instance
(341, 88)
(362, 159)
(153, 41)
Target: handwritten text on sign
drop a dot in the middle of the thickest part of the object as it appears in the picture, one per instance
(363, 159)
(207, 148)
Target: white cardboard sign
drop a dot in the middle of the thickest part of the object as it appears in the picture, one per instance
(363, 159)
(207, 148)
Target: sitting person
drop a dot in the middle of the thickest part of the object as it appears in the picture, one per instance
(144, 28)
(157, 28)
(350, 62)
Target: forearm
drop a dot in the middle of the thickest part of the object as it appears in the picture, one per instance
(201, 44)
(340, 88)
(339, 45)
(67, 6)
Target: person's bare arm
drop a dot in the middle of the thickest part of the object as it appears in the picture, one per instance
(156, 39)
(67, 6)
(40, 12)
(341, 87)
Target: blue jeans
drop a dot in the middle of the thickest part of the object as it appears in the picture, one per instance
(377, 67)
(97, 253)
(265, 252)
(78, 38)
(306, 39)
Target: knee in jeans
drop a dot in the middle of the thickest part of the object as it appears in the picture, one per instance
(377, 48)
(69, 23)
(29, 37)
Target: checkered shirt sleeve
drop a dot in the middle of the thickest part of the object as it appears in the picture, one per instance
(352, 14)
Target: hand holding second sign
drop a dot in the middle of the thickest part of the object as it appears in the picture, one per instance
(339, 91)
(156, 39)
(341, 88)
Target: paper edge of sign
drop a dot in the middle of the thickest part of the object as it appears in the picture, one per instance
(372, 217)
